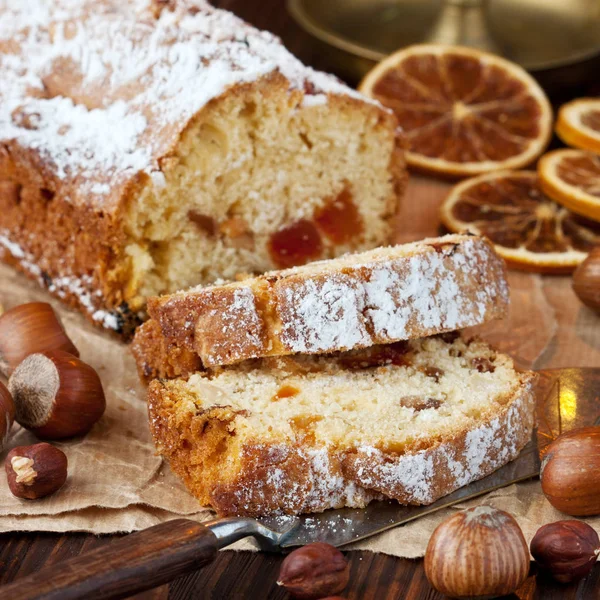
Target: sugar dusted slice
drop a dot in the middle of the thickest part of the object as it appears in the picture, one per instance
(412, 421)
(356, 301)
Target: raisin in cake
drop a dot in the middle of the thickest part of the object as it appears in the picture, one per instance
(359, 300)
(412, 421)
(153, 145)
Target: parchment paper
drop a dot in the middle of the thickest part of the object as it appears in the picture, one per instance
(118, 484)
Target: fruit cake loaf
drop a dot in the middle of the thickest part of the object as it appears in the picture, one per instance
(376, 297)
(154, 145)
(412, 421)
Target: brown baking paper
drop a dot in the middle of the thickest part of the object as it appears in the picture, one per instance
(117, 483)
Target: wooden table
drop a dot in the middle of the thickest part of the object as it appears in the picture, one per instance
(247, 575)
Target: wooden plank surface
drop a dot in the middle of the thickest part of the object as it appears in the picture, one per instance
(373, 576)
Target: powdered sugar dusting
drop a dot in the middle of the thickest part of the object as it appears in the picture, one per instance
(231, 327)
(322, 485)
(328, 315)
(434, 290)
(329, 487)
(242, 307)
(81, 287)
(392, 299)
(15, 250)
(240, 326)
(101, 90)
(411, 473)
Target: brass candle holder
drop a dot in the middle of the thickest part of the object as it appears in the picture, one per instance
(557, 40)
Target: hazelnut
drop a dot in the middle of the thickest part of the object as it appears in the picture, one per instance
(35, 471)
(27, 329)
(586, 280)
(567, 550)
(314, 571)
(56, 395)
(570, 472)
(204, 222)
(7, 414)
(239, 233)
(478, 552)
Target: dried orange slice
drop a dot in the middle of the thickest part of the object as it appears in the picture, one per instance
(572, 178)
(464, 111)
(578, 124)
(529, 230)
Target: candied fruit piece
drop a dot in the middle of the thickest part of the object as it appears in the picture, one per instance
(339, 219)
(285, 391)
(296, 244)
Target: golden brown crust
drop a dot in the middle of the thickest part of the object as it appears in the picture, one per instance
(150, 350)
(259, 479)
(70, 250)
(405, 292)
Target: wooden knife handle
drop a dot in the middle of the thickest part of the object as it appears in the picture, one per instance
(137, 562)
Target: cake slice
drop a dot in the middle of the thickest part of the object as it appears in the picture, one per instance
(377, 297)
(411, 421)
(153, 145)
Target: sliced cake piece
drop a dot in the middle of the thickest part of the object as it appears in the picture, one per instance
(376, 297)
(412, 421)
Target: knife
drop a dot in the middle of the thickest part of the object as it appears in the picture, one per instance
(567, 399)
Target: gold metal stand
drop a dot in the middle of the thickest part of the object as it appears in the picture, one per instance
(541, 35)
(463, 23)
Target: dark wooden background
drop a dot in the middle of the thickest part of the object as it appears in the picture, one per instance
(252, 576)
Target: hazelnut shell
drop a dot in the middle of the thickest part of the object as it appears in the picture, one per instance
(586, 280)
(567, 550)
(7, 414)
(477, 553)
(35, 471)
(56, 395)
(570, 472)
(27, 329)
(314, 571)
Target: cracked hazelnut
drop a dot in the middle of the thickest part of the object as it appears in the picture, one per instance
(27, 329)
(56, 395)
(7, 414)
(314, 571)
(567, 550)
(35, 471)
(479, 552)
(570, 472)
